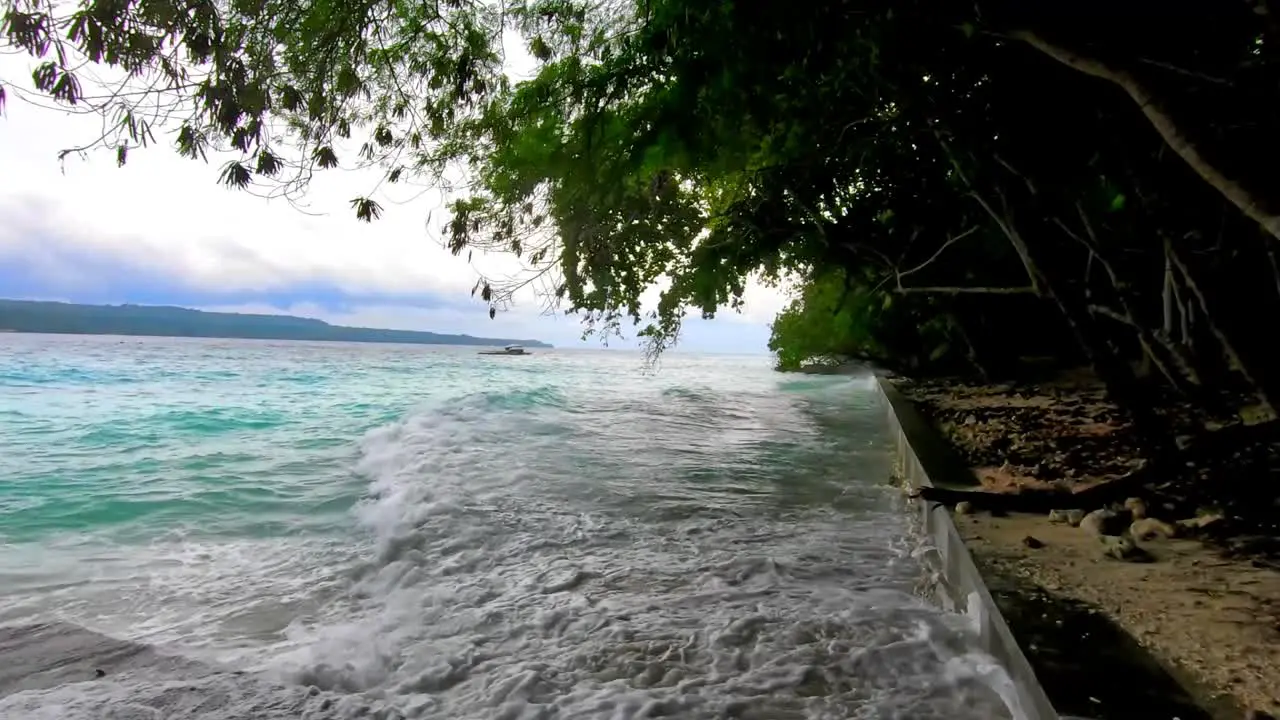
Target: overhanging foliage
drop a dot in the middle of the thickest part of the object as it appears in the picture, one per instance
(1096, 173)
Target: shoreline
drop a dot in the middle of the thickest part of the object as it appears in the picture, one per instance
(1193, 631)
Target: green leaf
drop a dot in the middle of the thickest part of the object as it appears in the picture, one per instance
(366, 209)
(325, 157)
(268, 164)
(235, 175)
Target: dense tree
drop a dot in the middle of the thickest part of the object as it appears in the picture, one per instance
(1081, 180)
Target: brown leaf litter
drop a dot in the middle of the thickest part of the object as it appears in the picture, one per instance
(1208, 608)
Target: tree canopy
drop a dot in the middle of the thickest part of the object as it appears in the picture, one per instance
(951, 184)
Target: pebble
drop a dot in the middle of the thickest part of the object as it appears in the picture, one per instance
(1123, 548)
(1136, 506)
(1149, 528)
(1100, 522)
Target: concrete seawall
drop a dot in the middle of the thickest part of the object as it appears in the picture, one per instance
(923, 458)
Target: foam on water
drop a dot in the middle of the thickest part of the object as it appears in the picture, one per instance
(521, 541)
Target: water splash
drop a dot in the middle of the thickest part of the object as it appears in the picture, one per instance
(410, 534)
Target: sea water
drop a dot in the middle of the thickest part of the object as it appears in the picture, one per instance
(356, 530)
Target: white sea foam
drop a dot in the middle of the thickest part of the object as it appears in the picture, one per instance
(490, 596)
(694, 545)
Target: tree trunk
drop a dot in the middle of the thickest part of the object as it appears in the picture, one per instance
(1257, 371)
(1116, 375)
(972, 354)
(1158, 348)
(1275, 269)
(1253, 201)
(1184, 309)
(1114, 372)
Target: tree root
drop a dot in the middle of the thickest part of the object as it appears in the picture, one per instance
(1037, 501)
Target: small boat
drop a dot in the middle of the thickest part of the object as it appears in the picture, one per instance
(508, 350)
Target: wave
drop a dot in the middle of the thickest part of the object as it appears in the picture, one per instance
(217, 420)
(520, 399)
(510, 575)
(692, 394)
(302, 378)
(813, 383)
(520, 547)
(39, 376)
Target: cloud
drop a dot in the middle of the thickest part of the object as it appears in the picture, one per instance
(161, 231)
(35, 259)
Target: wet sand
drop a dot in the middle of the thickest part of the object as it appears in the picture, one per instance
(60, 671)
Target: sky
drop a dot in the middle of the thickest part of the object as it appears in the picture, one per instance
(160, 230)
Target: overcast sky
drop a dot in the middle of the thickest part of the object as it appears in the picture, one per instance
(160, 230)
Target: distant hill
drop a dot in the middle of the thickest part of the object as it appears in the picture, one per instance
(70, 318)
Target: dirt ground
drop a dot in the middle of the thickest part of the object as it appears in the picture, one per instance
(1208, 613)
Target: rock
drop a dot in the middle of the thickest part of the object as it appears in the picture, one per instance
(1070, 517)
(1256, 414)
(1103, 522)
(1199, 523)
(1137, 507)
(1151, 528)
(1032, 543)
(971, 420)
(964, 507)
(1122, 547)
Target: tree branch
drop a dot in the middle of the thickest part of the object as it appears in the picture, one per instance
(1108, 312)
(1254, 203)
(943, 290)
(934, 256)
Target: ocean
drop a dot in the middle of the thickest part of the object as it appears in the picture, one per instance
(217, 529)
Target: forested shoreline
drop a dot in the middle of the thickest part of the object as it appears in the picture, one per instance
(153, 320)
(955, 187)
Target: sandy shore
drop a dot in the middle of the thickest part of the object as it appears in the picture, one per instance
(58, 671)
(1200, 617)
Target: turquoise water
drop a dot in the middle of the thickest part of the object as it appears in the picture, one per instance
(441, 534)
